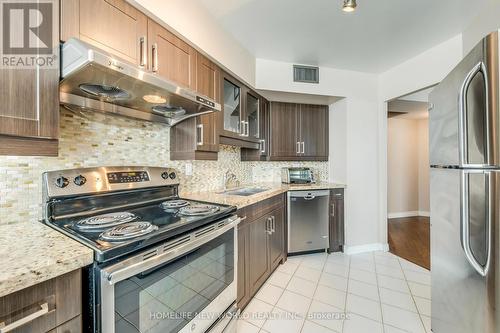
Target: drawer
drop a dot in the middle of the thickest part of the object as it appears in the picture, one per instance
(43, 307)
(337, 193)
(261, 208)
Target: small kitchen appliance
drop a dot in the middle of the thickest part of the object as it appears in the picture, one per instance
(162, 263)
(295, 175)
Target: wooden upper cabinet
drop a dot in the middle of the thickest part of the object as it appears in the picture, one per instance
(207, 78)
(198, 138)
(283, 129)
(208, 84)
(111, 25)
(314, 131)
(298, 132)
(171, 57)
(29, 110)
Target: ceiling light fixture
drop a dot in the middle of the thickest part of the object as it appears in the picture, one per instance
(349, 6)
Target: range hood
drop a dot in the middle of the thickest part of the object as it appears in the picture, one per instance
(96, 80)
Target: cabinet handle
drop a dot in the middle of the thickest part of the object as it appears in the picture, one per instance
(262, 146)
(44, 309)
(142, 52)
(199, 129)
(273, 224)
(242, 128)
(248, 128)
(154, 60)
(303, 147)
(268, 226)
(298, 147)
(333, 209)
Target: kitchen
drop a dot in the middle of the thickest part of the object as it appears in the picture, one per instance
(198, 143)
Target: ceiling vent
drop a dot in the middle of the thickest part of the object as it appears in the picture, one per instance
(307, 74)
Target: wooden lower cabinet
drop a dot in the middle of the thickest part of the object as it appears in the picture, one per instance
(51, 306)
(261, 246)
(277, 238)
(336, 220)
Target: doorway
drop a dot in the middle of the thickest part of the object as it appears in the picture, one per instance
(408, 177)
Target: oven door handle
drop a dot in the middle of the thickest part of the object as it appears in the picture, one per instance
(118, 272)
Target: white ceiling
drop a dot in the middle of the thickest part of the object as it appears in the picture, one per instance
(377, 36)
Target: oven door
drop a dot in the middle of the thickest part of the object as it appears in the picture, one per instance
(181, 286)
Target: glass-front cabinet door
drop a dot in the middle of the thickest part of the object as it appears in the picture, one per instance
(232, 107)
(252, 112)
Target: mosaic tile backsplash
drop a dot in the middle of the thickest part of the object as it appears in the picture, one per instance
(95, 139)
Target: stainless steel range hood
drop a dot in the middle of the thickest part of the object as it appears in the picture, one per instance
(93, 79)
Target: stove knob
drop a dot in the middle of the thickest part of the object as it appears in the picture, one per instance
(172, 175)
(62, 182)
(164, 175)
(80, 180)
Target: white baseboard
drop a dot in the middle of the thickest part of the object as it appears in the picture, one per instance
(366, 248)
(407, 214)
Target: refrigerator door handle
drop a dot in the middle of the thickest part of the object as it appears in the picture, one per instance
(465, 221)
(463, 133)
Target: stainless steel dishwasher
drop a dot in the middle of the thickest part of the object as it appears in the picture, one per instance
(308, 221)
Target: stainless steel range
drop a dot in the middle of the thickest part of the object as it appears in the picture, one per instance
(162, 263)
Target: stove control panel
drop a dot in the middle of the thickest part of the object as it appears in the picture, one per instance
(105, 179)
(128, 177)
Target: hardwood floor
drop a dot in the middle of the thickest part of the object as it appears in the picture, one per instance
(409, 238)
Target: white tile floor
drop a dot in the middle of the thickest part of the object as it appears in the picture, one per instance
(364, 293)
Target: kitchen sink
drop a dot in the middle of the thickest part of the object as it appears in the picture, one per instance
(245, 191)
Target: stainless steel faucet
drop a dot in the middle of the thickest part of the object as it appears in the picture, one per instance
(230, 177)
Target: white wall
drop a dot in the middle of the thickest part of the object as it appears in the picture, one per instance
(423, 166)
(353, 140)
(407, 167)
(487, 21)
(423, 70)
(191, 20)
(337, 142)
(402, 167)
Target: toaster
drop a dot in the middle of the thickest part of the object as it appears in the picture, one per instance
(297, 176)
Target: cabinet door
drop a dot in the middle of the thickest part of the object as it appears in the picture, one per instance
(242, 286)
(232, 107)
(258, 254)
(252, 115)
(112, 25)
(277, 238)
(171, 58)
(29, 109)
(336, 220)
(264, 127)
(283, 129)
(314, 131)
(208, 84)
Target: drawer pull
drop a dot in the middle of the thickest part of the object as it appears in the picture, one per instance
(44, 309)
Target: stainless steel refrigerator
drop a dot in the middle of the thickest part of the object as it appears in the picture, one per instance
(464, 125)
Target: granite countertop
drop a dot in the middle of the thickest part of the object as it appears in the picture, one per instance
(243, 201)
(32, 252)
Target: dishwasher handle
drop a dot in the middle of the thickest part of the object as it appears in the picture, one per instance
(308, 195)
